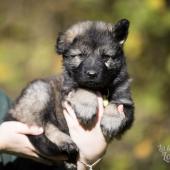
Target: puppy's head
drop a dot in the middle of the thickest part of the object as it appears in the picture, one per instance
(93, 51)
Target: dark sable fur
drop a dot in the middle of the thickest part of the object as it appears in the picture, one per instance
(98, 49)
(93, 61)
(51, 114)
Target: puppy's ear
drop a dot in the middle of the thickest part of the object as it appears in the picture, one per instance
(120, 30)
(60, 44)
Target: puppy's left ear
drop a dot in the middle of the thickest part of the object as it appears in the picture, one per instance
(60, 43)
(120, 30)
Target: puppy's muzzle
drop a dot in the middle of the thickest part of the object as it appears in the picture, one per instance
(92, 74)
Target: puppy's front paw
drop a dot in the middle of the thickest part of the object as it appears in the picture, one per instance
(85, 105)
(86, 113)
(70, 166)
(71, 150)
(112, 122)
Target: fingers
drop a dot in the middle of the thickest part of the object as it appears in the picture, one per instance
(70, 111)
(67, 117)
(70, 116)
(100, 106)
(23, 128)
(34, 130)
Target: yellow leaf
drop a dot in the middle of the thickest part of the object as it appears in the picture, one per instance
(134, 45)
(57, 64)
(156, 4)
(6, 73)
(143, 149)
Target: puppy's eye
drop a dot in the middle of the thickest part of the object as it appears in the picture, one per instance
(72, 56)
(105, 56)
(80, 55)
(76, 55)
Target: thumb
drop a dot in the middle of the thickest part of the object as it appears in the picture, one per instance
(35, 130)
(25, 129)
(100, 107)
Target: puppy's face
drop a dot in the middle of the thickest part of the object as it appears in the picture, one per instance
(92, 52)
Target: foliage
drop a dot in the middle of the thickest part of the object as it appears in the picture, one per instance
(28, 31)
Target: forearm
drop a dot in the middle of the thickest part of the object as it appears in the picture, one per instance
(81, 166)
(2, 145)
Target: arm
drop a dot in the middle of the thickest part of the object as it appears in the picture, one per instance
(122, 95)
(13, 139)
(114, 123)
(91, 143)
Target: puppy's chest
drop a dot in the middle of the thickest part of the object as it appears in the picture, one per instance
(87, 97)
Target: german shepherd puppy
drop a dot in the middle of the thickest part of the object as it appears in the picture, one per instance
(93, 61)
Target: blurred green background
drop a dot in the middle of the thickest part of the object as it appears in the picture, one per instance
(28, 31)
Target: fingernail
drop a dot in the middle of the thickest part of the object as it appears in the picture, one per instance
(120, 108)
(37, 129)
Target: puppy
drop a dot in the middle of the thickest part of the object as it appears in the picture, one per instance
(93, 61)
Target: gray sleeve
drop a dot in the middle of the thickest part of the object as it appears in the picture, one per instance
(5, 104)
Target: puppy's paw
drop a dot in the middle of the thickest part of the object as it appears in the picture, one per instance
(71, 150)
(70, 166)
(110, 109)
(86, 113)
(85, 105)
(112, 122)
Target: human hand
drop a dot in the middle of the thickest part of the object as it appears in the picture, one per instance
(91, 143)
(13, 139)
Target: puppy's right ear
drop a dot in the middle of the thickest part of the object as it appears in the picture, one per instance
(60, 44)
(120, 30)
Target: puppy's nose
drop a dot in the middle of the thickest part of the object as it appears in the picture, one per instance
(91, 73)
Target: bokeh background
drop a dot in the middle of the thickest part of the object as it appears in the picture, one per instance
(28, 31)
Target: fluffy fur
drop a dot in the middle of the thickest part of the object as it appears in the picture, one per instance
(93, 60)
